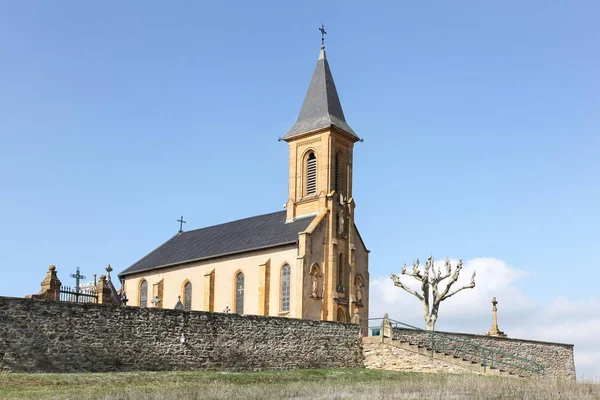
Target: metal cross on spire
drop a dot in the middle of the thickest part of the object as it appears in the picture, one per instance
(77, 277)
(323, 33)
(181, 222)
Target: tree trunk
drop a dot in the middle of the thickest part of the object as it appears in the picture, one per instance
(430, 323)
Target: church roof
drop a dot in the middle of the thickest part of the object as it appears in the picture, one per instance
(321, 107)
(254, 233)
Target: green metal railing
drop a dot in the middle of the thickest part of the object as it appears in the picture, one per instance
(448, 344)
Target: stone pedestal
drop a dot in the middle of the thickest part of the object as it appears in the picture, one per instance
(387, 326)
(50, 289)
(494, 330)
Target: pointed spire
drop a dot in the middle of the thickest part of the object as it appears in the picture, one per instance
(321, 107)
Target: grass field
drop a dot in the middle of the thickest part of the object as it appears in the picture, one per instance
(355, 384)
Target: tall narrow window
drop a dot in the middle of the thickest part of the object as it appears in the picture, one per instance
(187, 295)
(338, 165)
(285, 288)
(311, 174)
(239, 293)
(341, 273)
(144, 294)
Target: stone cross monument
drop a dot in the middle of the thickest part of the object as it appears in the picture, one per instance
(494, 331)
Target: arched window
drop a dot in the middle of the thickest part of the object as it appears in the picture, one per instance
(285, 288)
(341, 315)
(341, 273)
(144, 293)
(187, 296)
(311, 174)
(239, 293)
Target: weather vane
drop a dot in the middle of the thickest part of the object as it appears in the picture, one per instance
(323, 33)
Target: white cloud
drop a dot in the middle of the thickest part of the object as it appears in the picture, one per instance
(563, 320)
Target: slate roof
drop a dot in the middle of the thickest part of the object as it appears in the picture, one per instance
(321, 107)
(254, 233)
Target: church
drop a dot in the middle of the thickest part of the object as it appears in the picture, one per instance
(307, 261)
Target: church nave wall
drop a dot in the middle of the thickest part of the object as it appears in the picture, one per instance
(225, 270)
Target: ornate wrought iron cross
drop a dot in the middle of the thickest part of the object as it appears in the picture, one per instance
(323, 33)
(77, 277)
(181, 222)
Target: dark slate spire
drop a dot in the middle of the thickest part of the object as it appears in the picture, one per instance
(321, 107)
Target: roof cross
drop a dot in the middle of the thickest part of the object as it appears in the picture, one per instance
(323, 33)
(181, 222)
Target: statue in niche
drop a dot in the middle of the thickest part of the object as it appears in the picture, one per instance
(315, 275)
(359, 290)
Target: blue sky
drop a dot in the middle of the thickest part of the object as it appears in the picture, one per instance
(480, 122)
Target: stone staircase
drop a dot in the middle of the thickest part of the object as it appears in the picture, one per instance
(373, 345)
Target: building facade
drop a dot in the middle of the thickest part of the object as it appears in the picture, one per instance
(308, 261)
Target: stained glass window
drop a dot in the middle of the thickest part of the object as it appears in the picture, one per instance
(144, 294)
(187, 304)
(239, 293)
(285, 288)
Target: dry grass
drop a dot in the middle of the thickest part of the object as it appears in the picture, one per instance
(355, 384)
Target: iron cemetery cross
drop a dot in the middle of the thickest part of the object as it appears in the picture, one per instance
(77, 277)
(181, 222)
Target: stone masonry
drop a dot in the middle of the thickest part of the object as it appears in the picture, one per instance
(47, 336)
(557, 358)
(382, 356)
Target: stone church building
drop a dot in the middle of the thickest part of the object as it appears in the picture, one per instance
(308, 261)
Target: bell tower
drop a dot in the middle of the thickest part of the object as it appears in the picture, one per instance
(321, 147)
(321, 144)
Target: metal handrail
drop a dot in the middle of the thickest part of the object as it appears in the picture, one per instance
(489, 357)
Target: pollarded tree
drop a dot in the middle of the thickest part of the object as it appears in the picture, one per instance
(430, 296)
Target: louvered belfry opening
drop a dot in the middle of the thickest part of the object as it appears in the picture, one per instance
(311, 174)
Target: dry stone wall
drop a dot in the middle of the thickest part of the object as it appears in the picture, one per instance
(557, 358)
(46, 336)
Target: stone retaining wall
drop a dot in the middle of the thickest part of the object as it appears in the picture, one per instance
(383, 356)
(47, 336)
(557, 358)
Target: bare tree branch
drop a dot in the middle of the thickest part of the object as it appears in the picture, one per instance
(398, 283)
(415, 273)
(469, 286)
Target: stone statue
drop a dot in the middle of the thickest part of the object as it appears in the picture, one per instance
(386, 324)
(315, 286)
(359, 291)
(341, 221)
(315, 275)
